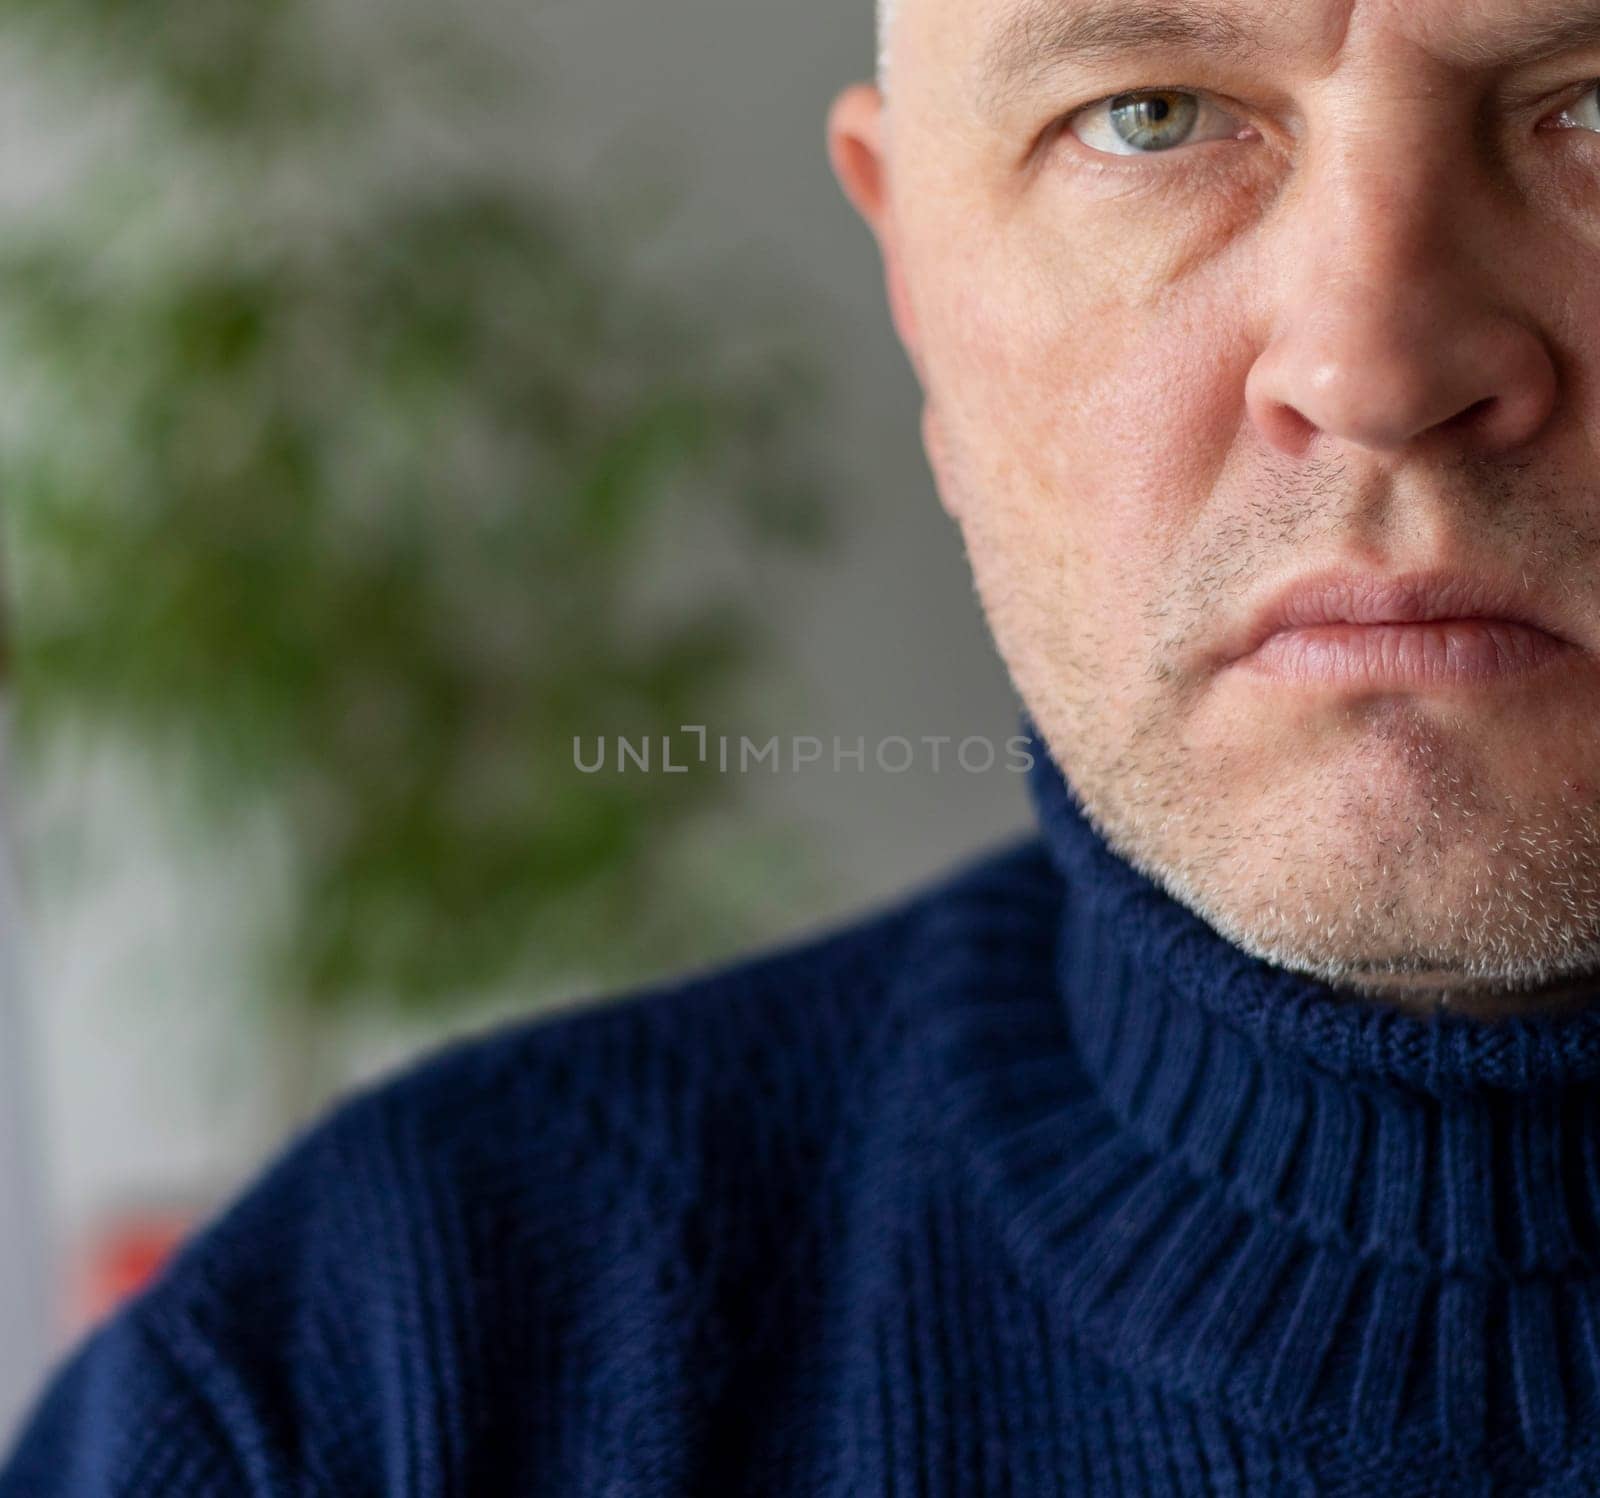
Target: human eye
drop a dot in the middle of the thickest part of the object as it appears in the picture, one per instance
(1147, 121)
(1582, 114)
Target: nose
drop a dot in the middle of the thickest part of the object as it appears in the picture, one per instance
(1397, 322)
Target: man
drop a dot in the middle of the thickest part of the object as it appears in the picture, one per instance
(1239, 1133)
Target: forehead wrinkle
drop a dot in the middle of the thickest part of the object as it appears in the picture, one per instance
(1037, 36)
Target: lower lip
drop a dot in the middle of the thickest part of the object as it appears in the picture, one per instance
(1435, 653)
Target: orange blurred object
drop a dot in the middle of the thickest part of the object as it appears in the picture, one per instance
(122, 1256)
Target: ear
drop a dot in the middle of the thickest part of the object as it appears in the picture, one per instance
(856, 151)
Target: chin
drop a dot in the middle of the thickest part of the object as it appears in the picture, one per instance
(1460, 919)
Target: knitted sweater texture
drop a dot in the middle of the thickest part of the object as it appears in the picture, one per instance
(1026, 1184)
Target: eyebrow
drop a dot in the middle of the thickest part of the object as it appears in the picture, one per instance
(1039, 36)
(1564, 30)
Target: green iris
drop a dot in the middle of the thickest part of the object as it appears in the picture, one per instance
(1154, 121)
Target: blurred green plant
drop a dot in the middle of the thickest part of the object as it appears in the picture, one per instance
(365, 498)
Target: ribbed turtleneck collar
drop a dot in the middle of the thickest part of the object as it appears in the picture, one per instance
(1370, 1228)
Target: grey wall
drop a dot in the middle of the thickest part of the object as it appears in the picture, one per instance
(24, 1275)
(891, 635)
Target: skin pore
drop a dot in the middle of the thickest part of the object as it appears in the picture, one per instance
(1204, 299)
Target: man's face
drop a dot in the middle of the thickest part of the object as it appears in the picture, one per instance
(1319, 291)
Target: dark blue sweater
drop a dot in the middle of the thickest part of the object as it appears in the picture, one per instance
(1028, 1185)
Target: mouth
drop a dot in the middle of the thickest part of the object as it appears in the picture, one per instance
(1414, 630)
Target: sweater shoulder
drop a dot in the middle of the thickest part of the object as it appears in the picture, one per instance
(678, 1088)
(445, 1218)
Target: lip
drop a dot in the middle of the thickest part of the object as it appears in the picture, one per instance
(1414, 628)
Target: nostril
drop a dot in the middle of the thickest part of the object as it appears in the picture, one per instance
(1286, 428)
(1470, 414)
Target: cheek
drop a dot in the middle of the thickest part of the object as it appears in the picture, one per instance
(1085, 425)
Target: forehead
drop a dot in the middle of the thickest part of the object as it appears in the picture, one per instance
(1004, 46)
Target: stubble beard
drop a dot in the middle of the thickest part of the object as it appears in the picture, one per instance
(1396, 870)
(1401, 869)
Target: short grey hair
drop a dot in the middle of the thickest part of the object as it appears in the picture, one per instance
(885, 20)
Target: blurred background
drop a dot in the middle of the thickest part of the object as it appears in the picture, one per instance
(402, 405)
